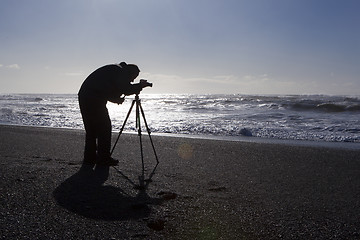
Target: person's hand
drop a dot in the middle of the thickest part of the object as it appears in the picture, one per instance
(120, 100)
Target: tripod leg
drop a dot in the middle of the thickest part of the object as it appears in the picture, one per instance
(122, 128)
(139, 134)
(142, 156)
(149, 132)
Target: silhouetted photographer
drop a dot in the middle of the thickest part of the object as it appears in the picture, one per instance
(108, 83)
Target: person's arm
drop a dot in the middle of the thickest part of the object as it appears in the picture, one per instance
(137, 87)
(117, 100)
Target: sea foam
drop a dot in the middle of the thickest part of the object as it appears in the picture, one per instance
(297, 117)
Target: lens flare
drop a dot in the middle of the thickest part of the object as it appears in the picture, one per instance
(185, 151)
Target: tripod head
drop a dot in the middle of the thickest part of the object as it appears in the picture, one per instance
(143, 84)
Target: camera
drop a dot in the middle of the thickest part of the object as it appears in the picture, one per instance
(145, 83)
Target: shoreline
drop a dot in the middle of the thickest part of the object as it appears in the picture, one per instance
(251, 139)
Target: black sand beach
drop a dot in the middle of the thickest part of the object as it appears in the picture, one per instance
(202, 189)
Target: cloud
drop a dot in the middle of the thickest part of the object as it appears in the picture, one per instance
(13, 66)
(256, 78)
(223, 79)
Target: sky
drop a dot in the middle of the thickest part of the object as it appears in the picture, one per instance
(184, 46)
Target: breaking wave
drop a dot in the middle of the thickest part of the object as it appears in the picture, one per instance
(313, 117)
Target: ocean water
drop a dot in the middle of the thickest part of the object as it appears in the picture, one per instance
(296, 117)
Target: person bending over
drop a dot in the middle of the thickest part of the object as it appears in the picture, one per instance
(107, 83)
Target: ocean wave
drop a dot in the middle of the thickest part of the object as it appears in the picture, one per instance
(5, 97)
(330, 107)
(313, 117)
(6, 111)
(25, 98)
(40, 115)
(56, 106)
(323, 107)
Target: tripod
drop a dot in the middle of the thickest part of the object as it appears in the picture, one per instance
(139, 110)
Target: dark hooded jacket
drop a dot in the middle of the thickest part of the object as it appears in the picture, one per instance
(108, 83)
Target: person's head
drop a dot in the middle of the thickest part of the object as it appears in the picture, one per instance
(132, 69)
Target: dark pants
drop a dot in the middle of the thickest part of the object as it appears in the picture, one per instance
(97, 126)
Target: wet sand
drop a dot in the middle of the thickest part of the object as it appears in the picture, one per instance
(202, 189)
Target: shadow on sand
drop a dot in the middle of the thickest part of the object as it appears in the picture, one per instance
(84, 194)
